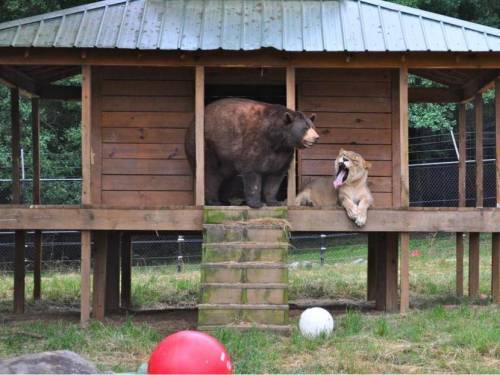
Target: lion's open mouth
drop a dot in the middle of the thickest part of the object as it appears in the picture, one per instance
(341, 177)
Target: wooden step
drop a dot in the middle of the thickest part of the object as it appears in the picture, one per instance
(225, 214)
(245, 252)
(222, 314)
(248, 272)
(242, 232)
(251, 293)
(242, 327)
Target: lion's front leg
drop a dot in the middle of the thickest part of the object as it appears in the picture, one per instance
(351, 208)
(362, 212)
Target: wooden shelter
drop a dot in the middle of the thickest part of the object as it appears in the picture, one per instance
(149, 66)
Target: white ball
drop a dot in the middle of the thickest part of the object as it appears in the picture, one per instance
(316, 321)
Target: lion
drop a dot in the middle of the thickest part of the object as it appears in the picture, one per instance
(349, 188)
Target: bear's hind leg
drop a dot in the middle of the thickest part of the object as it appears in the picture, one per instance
(252, 183)
(213, 180)
(272, 184)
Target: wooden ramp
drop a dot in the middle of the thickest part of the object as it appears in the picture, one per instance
(244, 271)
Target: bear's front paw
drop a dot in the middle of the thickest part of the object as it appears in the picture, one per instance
(255, 204)
(360, 220)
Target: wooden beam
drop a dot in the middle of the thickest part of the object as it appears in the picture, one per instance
(290, 103)
(59, 92)
(200, 135)
(387, 272)
(478, 107)
(462, 171)
(37, 236)
(434, 95)
(113, 271)
(20, 237)
(479, 84)
(258, 59)
(451, 220)
(126, 270)
(474, 241)
(14, 78)
(86, 134)
(85, 277)
(373, 243)
(99, 283)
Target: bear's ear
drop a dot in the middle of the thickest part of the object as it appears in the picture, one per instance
(341, 151)
(313, 117)
(288, 118)
(368, 165)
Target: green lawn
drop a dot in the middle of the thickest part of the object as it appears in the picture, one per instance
(440, 334)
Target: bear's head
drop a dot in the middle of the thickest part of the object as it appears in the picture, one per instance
(294, 130)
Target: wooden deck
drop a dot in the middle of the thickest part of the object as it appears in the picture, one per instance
(301, 219)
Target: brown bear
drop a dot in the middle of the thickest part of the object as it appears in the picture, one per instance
(253, 139)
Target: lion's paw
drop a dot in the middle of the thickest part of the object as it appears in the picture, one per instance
(352, 213)
(360, 220)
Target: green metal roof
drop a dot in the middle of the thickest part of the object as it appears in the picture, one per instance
(289, 25)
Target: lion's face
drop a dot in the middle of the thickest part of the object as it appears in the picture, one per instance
(349, 168)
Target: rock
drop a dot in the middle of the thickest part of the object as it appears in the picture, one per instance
(58, 362)
(358, 261)
(304, 264)
(294, 265)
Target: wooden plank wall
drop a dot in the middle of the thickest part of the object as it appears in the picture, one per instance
(144, 113)
(354, 111)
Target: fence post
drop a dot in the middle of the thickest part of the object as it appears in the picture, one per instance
(322, 249)
(180, 243)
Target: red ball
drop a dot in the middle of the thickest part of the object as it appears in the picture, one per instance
(189, 352)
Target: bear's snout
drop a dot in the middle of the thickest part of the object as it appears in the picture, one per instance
(310, 137)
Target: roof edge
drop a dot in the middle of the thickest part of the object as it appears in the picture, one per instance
(434, 16)
(58, 13)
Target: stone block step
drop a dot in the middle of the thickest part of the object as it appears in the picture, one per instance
(225, 214)
(222, 314)
(241, 232)
(245, 252)
(245, 293)
(242, 327)
(248, 272)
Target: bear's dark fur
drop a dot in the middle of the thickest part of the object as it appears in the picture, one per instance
(253, 139)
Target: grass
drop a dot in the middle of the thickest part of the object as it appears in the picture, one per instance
(461, 338)
(440, 334)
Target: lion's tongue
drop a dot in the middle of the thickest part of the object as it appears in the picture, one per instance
(339, 180)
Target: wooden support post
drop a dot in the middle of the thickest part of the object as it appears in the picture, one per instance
(373, 242)
(495, 245)
(113, 272)
(474, 239)
(126, 265)
(99, 284)
(20, 236)
(290, 103)
(404, 243)
(387, 272)
(86, 191)
(200, 135)
(404, 240)
(495, 268)
(462, 171)
(478, 106)
(37, 235)
(85, 277)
